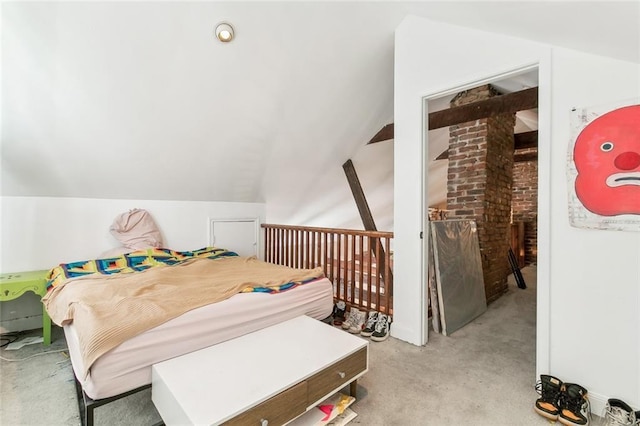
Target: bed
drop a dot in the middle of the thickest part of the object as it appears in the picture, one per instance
(124, 366)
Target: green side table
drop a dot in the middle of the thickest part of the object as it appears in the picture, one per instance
(16, 284)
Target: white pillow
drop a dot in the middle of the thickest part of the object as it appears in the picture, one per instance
(136, 230)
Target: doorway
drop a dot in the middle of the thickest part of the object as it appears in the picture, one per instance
(447, 198)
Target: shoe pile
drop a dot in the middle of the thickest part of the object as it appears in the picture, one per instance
(548, 404)
(566, 402)
(339, 311)
(355, 321)
(374, 325)
(574, 405)
(370, 325)
(619, 413)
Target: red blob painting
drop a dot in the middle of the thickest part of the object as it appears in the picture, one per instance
(607, 157)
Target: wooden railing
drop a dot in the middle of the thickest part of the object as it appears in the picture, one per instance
(358, 263)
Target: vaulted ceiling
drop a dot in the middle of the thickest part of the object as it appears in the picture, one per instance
(137, 100)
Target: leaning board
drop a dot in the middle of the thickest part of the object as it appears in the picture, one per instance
(459, 276)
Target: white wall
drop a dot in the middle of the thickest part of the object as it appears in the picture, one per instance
(330, 203)
(595, 275)
(426, 66)
(41, 232)
(588, 281)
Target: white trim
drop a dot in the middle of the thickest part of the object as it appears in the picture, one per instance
(473, 83)
(543, 273)
(597, 403)
(424, 265)
(543, 330)
(256, 220)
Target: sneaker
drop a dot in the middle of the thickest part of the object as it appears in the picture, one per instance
(549, 390)
(353, 316)
(618, 413)
(339, 311)
(574, 405)
(370, 325)
(383, 325)
(358, 324)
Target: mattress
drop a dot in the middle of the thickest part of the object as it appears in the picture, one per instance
(128, 366)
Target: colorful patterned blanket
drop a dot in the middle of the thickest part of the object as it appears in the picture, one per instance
(136, 261)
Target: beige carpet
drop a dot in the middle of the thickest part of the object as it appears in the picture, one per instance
(483, 374)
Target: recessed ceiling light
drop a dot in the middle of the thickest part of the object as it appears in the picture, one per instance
(224, 32)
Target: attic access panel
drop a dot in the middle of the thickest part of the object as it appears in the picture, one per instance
(238, 235)
(458, 270)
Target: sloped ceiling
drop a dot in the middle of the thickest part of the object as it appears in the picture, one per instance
(137, 100)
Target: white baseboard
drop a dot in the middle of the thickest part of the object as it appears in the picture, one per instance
(403, 333)
(597, 402)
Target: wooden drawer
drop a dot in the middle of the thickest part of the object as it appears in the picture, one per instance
(277, 410)
(337, 375)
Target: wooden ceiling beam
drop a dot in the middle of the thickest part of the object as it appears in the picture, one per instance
(444, 155)
(527, 156)
(525, 140)
(503, 104)
(358, 196)
(521, 141)
(384, 134)
(365, 214)
(517, 157)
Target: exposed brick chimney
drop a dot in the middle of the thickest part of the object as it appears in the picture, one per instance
(525, 203)
(479, 184)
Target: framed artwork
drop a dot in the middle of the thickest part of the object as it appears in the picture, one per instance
(604, 167)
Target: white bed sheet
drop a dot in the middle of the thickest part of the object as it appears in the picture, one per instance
(128, 366)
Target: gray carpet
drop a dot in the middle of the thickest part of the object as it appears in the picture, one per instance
(483, 374)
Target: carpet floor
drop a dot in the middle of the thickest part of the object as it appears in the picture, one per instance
(482, 374)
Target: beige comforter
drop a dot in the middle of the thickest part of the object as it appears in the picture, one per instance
(108, 310)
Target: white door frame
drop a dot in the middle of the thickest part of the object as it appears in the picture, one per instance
(543, 332)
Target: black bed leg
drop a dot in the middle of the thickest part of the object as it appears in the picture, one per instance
(88, 415)
(86, 405)
(85, 408)
(81, 405)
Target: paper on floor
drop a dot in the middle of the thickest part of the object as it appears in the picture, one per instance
(24, 342)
